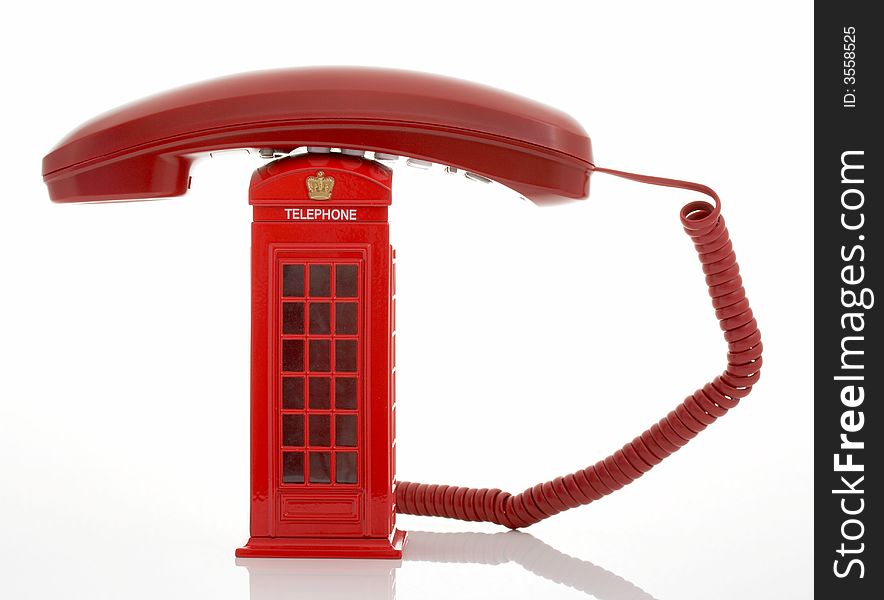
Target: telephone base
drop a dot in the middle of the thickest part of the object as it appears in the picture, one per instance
(290, 547)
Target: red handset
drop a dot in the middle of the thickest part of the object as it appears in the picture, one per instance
(144, 149)
(323, 280)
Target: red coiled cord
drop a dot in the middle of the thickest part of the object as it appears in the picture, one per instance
(705, 225)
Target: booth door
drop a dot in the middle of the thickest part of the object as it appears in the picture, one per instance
(319, 413)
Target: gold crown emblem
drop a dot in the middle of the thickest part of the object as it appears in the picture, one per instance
(320, 187)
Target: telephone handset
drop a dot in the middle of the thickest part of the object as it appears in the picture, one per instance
(323, 395)
(144, 150)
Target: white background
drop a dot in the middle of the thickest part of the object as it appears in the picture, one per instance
(531, 342)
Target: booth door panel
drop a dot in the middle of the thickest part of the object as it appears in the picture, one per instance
(319, 416)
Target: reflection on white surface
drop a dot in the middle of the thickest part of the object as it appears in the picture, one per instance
(274, 579)
(332, 579)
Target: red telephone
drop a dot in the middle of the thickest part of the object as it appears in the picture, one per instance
(323, 280)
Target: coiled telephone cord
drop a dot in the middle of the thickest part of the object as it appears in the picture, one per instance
(705, 226)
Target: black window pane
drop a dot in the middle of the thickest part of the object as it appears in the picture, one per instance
(320, 280)
(292, 430)
(345, 393)
(345, 430)
(320, 318)
(293, 317)
(320, 392)
(293, 392)
(319, 467)
(345, 318)
(293, 280)
(293, 467)
(293, 355)
(345, 355)
(320, 355)
(345, 467)
(345, 281)
(320, 430)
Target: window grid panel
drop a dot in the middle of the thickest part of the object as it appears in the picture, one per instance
(332, 464)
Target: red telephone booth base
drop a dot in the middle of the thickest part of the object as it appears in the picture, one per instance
(261, 547)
